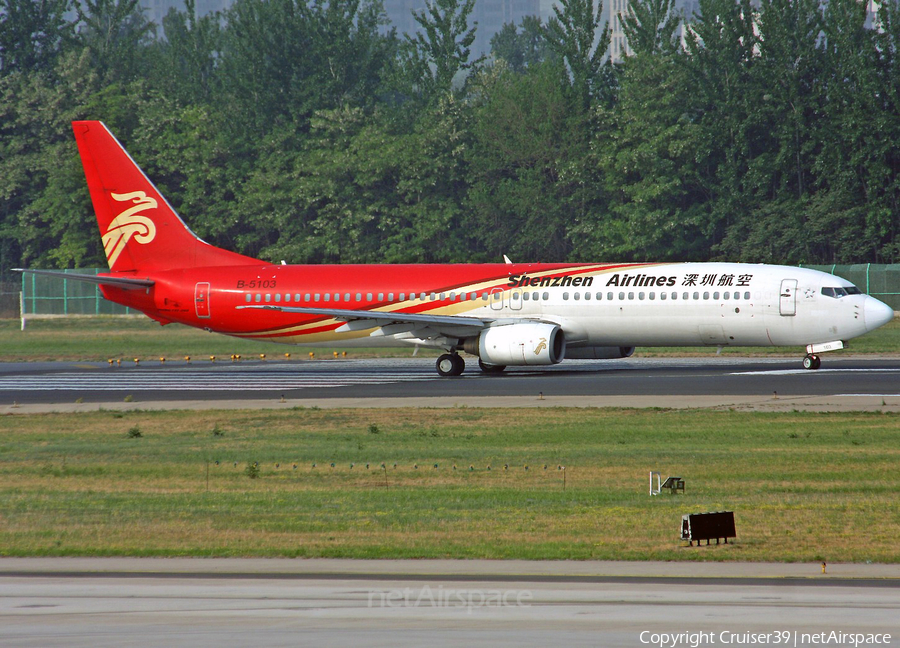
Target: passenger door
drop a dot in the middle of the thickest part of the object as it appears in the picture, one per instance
(201, 299)
(787, 304)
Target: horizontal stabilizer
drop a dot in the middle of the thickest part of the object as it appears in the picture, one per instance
(119, 282)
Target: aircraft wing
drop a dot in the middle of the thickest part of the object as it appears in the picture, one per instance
(391, 322)
(118, 282)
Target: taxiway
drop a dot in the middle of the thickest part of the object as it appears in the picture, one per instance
(194, 602)
(864, 383)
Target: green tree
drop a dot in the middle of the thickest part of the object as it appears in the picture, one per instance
(856, 158)
(32, 34)
(720, 46)
(574, 34)
(284, 59)
(530, 177)
(45, 214)
(431, 59)
(186, 65)
(523, 49)
(650, 26)
(652, 156)
(116, 32)
(364, 191)
(779, 166)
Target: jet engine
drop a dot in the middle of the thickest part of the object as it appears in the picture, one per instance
(527, 343)
(598, 353)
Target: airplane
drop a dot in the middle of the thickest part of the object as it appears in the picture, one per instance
(505, 314)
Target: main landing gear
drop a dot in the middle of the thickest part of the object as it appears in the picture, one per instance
(450, 364)
(812, 361)
(489, 368)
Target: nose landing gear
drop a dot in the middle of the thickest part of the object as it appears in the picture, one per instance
(812, 361)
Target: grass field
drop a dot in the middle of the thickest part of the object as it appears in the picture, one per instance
(102, 338)
(803, 486)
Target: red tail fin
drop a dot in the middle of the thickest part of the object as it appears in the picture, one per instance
(141, 232)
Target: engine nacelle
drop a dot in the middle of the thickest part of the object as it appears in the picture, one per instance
(527, 343)
(598, 353)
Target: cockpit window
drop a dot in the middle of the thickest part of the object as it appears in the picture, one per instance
(840, 291)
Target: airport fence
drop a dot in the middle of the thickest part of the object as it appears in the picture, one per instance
(42, 296)
(10, 300)
(880, 280)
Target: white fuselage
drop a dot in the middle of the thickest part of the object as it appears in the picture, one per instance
(695, 304)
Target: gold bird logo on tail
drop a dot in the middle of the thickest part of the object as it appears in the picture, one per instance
(128, 224)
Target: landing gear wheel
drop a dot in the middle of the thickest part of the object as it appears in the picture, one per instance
(812, 362)
(450, 364)
(489, 368)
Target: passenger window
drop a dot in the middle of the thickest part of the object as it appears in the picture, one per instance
(641, 296)
(587, 295)
(403, 296)
(268, 297)
(422, 296)
(368, 296)
(248, 298)
(473, 296)
(609, 296)
(337, 297)
(317, 296)
(535, 295)
(525, 297)
(715, 295)
(662, 296)
(346, 297)
(258, 298)
(621, 295)
(696, 295)
(706, 295)
(737, 295)
(545, 296)
(484, 296)
(278, 297)
(306, 297)
(599, 296)
(380, 296)
(675, 295)
(577, 296)
(747, 295)
(287, 297)
(726, 295)
(433, 296)
(630, 295)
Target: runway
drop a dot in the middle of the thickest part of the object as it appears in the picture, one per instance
(193, 602)
(655, 379)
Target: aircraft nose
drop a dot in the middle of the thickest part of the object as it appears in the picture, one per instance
(876, 313)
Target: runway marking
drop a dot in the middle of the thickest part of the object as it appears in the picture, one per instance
(161, 380)
(797, 372)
